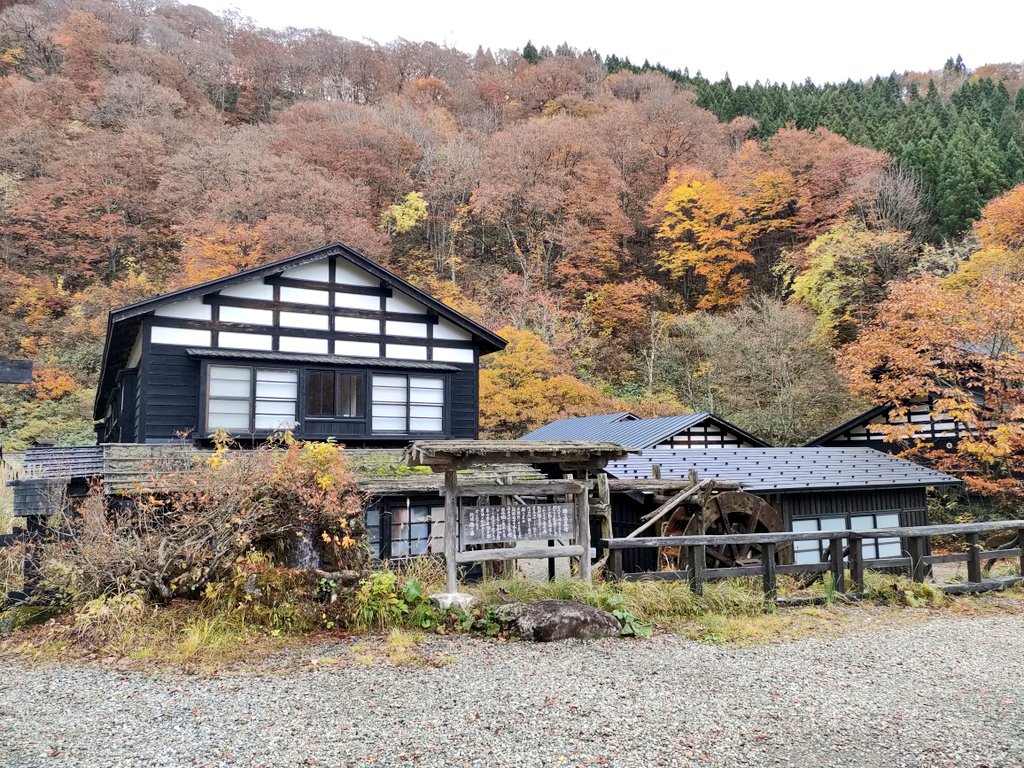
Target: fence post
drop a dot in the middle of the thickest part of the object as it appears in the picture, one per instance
(973, 559)
(1020, 544)
(768, 560)
(857, 563)
(835, 558)
(916, 548)
(695, 557)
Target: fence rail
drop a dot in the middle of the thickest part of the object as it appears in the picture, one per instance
(916, 560)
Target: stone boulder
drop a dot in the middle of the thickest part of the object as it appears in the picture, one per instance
(546, 620)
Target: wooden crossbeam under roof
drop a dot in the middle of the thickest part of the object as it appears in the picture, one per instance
(456, 454)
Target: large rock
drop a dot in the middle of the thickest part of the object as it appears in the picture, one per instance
(547, 620)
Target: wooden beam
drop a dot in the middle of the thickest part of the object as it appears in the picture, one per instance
(973, 559)
(539, 488)
(513, 553)
(668, 506)
(583, 535)
(770, 584)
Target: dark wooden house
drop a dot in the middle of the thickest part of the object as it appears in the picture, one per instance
(928, 423)
(327, 344)
(812, 489)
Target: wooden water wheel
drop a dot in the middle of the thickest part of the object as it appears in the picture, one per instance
(725, 513)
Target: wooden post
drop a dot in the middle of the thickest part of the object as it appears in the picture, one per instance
(916, 548)
(656, 471)
(1020, 543)
(451, 531)
(973, 559)
(768, 561)
(583, 534)
(695, 556)
(603, 493)
(835, 558)
(30, 565)
(615, 563)
(857, 564)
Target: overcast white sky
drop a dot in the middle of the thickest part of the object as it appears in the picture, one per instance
(781, 40)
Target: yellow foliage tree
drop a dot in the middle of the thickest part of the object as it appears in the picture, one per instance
(701, 224)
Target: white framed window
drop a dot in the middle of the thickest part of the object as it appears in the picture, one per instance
(399, 531)
(402, 403)
(243, 400)
(815, 550)
(229, 398)
(883, 546)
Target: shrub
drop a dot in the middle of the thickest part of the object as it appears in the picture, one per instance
(188, 529)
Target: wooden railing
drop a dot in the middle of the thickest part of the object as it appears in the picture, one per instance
(916, 561)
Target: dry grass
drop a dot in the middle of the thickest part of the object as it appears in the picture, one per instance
(200, 637)
(184, 635)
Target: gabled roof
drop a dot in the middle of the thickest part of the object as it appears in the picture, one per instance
(789, 470)
(123, 322)
(491, 341)
(628, 430)
(857, 421)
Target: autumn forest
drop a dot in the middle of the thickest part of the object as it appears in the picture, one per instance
(782, 255)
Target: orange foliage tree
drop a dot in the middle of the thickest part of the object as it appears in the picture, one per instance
(962, 341)
(1002, 221)
(526, 386)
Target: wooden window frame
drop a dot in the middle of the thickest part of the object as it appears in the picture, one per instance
(360, 375)
(254, 370)
(445, 404)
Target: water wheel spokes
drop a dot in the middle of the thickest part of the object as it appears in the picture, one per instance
(726, 513)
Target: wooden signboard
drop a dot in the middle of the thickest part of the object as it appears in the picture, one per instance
(494, 524)
(15, 371)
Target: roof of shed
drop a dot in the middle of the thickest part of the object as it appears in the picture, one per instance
(58, 461)
(450, 453)
(626, 429)
(787, 470)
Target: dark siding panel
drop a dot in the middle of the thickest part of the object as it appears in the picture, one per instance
(626, 514)
(129, 410)
(172, 392)
(464, 403)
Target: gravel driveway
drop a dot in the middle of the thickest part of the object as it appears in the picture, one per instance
(944, 692)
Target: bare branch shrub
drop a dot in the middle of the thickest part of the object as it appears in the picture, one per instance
(188, 528)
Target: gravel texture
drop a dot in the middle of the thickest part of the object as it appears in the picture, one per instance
(943, 692)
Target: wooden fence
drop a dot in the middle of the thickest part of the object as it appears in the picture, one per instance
(915, 560)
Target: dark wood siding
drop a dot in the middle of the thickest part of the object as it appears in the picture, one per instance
(171, 396)
(464, 400)
(172, 392)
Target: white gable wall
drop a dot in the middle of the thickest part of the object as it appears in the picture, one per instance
(324, 321)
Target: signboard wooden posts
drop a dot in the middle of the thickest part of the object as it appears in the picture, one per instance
(516, 522)
(15, 371)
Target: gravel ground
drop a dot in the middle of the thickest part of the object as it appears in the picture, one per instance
(943, 692)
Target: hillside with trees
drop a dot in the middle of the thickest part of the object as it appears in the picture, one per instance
(645, 239)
